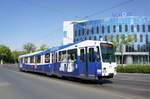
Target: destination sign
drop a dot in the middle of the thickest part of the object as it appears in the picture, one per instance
(106, 45)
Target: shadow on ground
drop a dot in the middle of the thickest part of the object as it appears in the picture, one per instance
(73, 79)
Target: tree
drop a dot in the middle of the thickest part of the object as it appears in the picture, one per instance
(29, 47)
(120, 44)
(5, 54)
(16, 54)
(43, 47)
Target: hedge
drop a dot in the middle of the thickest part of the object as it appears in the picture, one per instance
(134, 69)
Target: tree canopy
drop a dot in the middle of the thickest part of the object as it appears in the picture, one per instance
(121, 42)
(43, 47)
(5, 54)
(8, 56)
(29, 47)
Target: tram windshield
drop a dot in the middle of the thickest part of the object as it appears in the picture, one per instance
(107, 52)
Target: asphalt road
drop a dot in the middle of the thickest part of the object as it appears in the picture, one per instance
(20, 85)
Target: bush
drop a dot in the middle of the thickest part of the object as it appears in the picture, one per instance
(134, 69)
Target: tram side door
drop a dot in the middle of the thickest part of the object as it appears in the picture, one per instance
(87, 62)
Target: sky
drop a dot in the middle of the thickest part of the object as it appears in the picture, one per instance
(41, 21)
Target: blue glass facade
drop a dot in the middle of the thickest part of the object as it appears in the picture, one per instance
(112, 27)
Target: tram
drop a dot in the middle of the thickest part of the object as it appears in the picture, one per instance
(86, 59)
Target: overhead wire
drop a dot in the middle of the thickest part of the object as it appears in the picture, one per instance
(100, 12)
(107, 9)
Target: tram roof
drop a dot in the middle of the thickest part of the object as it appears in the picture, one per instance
(31, 54)
(56, 48)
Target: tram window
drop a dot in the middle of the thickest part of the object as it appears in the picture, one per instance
(54, 58)
(91, 55)
(98, 55)
(32, 59)
(38, 59)
(62, 56)
(47, 58)
(72, 55)
(21, 60)
(82, 55)
(26, 60)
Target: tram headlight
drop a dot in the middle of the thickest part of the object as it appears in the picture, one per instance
(99, 71)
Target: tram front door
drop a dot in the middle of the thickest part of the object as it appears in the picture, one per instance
(87, 62)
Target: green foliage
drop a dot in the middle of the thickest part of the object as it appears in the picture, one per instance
(43, 47)
(120, 42)
(8, 56)
(29, 47)
(134, 69)
(5, 54)
(16, 54)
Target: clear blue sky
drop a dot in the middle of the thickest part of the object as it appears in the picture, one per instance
(41, 21)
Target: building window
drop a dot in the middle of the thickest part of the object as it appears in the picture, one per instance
(138, 28)
(103, 29)
(82, 31)
(92, 30)
(108, 29)
(139, 48)
(87, 32)
(126, 28)
(95, 38)
(126, 48)
(100, 37)
(120, 28)
(141, 38)
(135, 38)
(97, 29)
(114, 28)
(90, 38)
(143, 28)
(146, 38)
(105, 38)
(132, 48)
(148, 28)
(77, 40)
(79, 32)
(111, 38)
(117, 38)
(132, 28)
(75, 33)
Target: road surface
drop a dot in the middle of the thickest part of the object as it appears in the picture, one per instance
(20, 85)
